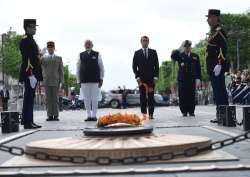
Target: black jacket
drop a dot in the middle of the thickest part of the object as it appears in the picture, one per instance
(30, 53)
(189, 66)
(4, 97)
(89, 69)
(146, 68)
(217, 50)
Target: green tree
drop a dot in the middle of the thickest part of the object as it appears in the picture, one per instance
(237, 26)
(167, 76)
(200, 50)
(66, 79)
(73, 83)
(70, 81)
(11, 57)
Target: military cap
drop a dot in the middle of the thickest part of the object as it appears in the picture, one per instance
(187, 43)
(214, 12)
(27, 22)
(50, 44)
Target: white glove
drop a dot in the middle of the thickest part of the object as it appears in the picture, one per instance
(139, 81)
(217, 70)
(33, 81)
(197, 82)
(181, 48)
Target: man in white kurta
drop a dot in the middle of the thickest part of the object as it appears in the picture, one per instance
(90, 73)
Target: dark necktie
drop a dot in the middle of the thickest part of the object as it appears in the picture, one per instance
(145, 53)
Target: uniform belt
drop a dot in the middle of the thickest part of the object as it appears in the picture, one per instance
(214, 45)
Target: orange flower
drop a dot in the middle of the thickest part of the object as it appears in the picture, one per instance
(127, 118)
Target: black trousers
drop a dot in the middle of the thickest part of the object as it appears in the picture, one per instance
(5, 104)
(147, 101)
(186, 90)
(28, 103)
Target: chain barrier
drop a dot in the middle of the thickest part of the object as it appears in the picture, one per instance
(18, 151)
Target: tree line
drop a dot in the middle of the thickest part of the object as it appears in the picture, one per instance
(11, 60)
(237, 27)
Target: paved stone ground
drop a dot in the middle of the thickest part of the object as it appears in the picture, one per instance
(167, 120)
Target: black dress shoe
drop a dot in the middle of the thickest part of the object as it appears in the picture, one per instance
(151, 116)
(29, 126)
(56, 118)
(88, 119)
(93, 119)
(50, 118)
(37, 126)
(184, 114)
(22, 121)
(214, 121)
(192, 114)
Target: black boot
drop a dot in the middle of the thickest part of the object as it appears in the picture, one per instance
(37, 126)
(50, 118)
(56, 118)
(192, 114)
(217, 116)
(29, 126)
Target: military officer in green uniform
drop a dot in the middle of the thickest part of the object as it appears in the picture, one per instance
(52, 66)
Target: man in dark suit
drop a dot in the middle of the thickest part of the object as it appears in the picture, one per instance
(30, 72)
(146, 70)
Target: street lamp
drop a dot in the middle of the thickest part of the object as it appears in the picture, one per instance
(238, 53)
(4, 36)
(238, 35)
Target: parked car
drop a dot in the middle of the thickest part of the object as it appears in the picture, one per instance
(174, 101)
(114, 98)
(68, 104)
(77, 104)
(65, 103)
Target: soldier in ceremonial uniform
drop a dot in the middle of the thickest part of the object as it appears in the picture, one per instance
(217, 64)
(189, 76)
(30, 72)
(90, 73)
(52, 67)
